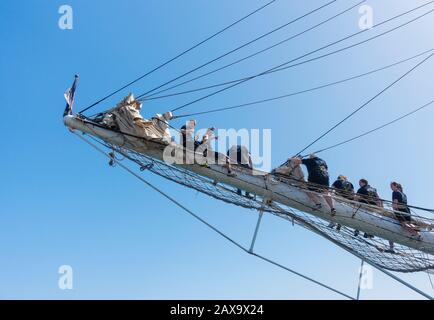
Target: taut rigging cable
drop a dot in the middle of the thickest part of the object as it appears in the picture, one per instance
(238, 48)
(376, 129)
(256, 53)
(282, 66)
(177, 56)
(256, 102)
(365, 104)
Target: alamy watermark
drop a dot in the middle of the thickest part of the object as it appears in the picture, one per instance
(66, 279)
(366, 20)
(247, 147)
(66, 19)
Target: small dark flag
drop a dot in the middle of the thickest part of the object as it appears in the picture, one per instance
(69, 97)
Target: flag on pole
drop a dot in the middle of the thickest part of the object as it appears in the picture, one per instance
(69, 97)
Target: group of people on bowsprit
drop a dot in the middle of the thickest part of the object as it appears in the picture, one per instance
(187, 138)
(319, 180)
(236, 154)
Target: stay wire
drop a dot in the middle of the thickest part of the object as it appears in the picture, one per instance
(365, 104)
(243, 105)
(177, 56)
(236, 49)
(375, 129)
(281, 66)
(149, 97)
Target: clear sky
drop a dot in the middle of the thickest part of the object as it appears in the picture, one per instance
(61, 204)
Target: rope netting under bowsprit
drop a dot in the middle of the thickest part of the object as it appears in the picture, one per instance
(372, 250)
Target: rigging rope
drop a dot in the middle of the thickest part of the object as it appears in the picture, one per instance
(301, 91)
(177, 56)
(256, 53)
(282, 66)
(237, 48)
(375, 129)
(298, 64)
(365, 104)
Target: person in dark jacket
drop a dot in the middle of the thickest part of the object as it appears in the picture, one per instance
(368, 195)
(401, 210)
(399, 203)
(187, 139)
(343, 187)
(319, 179)
(241, 156)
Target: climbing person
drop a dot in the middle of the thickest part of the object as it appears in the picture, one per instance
(401, 210)
(399, 203)
(318, 174)
(367, 195)
(204, 145)
(345, 189)
(290, 169)
(187, 139)
(241, 156)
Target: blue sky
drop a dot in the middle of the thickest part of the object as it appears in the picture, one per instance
(62, 204)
